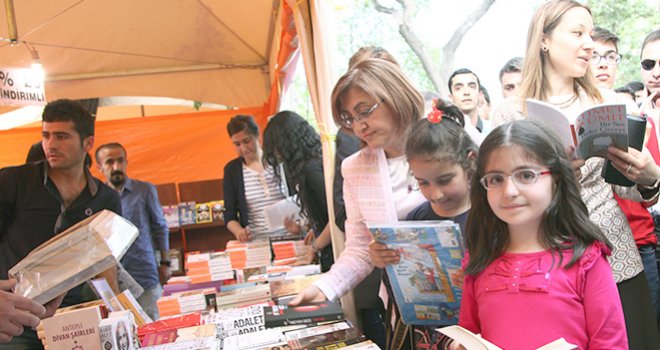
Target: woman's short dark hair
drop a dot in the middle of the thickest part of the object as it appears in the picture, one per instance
(242, 122)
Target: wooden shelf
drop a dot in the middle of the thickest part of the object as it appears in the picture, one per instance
(196, 237)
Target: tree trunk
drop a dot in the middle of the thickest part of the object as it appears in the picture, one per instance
(437, 76)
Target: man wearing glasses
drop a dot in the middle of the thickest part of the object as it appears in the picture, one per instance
(605, 57)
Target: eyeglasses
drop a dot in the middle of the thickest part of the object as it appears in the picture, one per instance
(520, 178)
(612, 58)
(347, 120)
(649, 64)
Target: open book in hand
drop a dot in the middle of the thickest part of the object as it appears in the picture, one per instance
(590, 132)
(427, 281)
(471, 341)
(278, 211)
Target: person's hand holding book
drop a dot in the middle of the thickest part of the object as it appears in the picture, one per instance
(382, 256)
(637, 166)
(16, 312)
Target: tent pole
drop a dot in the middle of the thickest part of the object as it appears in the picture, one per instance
(11, 22)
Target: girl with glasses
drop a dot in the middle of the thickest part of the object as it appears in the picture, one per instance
(556, 70)
(537, 268)
(375, 101)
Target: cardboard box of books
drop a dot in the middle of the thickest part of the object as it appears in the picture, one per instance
(73, 256)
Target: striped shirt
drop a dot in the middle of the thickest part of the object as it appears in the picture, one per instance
(261, 190)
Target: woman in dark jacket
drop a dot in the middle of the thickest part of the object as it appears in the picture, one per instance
(248, 185)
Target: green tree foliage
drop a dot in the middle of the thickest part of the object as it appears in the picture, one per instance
(630, 20)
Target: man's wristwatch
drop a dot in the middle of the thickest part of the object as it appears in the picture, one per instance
(167, 263)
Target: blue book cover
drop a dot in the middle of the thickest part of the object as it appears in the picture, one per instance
(427, 280)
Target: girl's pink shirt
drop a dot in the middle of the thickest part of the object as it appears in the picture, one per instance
(523, 301)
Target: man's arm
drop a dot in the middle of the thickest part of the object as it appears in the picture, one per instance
(159, 232)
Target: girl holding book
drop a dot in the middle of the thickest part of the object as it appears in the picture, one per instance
(536, 269)
(375, 101)
(442, 158)
(290, 141)
(556, 70)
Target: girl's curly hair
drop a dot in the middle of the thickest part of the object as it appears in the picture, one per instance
(289, 139)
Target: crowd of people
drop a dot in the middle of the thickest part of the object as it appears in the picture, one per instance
(552, 250)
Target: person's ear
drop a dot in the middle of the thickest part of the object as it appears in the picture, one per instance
(88, 143)
(472, 156)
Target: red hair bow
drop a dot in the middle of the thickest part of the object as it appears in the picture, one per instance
(435, 116)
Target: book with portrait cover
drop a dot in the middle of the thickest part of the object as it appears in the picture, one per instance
(203, 213)
(427, 281)
(171, 215)
(590, 132)
(187, 213)
(284, 315)
(217, 209)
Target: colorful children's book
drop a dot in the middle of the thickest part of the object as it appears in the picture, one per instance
(171, 215)
(471, 341)
(217, 208)
(590, 132)
(427, 281)
(203, 213)
(187, 213)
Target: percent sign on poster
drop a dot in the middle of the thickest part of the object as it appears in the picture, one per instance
(22, 86)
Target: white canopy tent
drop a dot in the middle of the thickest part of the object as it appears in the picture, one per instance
(231, 53)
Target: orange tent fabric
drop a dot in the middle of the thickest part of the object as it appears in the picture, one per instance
(177, 148)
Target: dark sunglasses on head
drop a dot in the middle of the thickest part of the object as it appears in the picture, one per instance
(648, 64)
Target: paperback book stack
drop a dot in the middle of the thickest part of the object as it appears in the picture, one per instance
(290, 286)
(250, 294)
(290, 252)
(210, 266)
(249, 254)
(73, 256)
(179, 284)
(185, 302)
(328, 336)
(169, 323)
(238, 321)
(194, 337)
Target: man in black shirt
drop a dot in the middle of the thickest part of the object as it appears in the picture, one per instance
(41, 199)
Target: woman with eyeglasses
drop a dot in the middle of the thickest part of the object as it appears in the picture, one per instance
(375, 101)
(556, 70)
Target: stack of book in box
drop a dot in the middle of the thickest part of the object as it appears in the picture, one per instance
(184, 302)
(249, 254)
(207, 267)
(248, 295)
(290, 252)
(73, 256)
(178, 284)
(194, 337)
